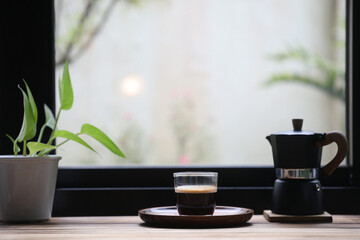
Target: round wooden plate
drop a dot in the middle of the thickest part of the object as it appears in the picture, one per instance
(169, 217)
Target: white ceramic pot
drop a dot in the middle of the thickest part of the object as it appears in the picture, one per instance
(27, 187)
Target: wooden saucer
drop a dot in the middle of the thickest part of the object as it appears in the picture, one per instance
(319, 218)
(169, 217)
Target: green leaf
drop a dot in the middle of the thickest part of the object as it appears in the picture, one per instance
(16, 148)
(65, 88)
(32, 102)
(28, 128)
(35, 147)
(97, 134)
(71, 136)
(49, 117)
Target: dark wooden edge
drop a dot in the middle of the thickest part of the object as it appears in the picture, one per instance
(353, 96)
(107, 177)
(125, 190)
(127, 201)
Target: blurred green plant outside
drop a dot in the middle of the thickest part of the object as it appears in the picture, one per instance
(330, 80)
(322, 74)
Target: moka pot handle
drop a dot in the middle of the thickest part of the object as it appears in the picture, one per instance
(342, 145)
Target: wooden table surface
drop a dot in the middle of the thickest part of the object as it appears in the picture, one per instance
(125, 227)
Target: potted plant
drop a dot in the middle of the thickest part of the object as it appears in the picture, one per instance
(28, 178)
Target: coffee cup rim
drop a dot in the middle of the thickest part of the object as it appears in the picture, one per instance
(194, 174)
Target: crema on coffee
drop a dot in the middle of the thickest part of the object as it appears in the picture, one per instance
(196, 199)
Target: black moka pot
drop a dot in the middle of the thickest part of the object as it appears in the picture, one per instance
(297, 157)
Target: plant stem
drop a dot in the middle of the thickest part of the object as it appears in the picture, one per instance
(62, 143)
(24, 148)
(54, 129)
(41, 133)
(44, 152)
(14, 148)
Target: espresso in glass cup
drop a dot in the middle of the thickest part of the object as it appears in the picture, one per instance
(195, 192)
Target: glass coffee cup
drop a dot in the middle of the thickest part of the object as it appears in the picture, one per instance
(195, 192)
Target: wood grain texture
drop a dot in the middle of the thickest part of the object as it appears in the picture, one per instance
(343, 227)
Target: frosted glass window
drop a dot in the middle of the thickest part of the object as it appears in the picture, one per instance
(202, 82)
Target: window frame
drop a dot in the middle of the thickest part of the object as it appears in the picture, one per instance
(99, 191)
